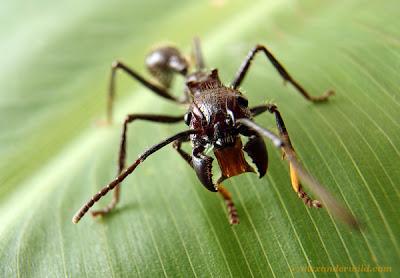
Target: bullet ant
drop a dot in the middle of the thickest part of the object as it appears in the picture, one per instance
(217, 117)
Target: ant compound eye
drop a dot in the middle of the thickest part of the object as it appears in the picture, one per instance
(231, 118)
(243, 102)
(187, 118)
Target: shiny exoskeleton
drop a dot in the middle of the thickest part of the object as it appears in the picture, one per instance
(218, 117)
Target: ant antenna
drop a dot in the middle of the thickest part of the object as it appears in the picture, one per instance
(198, 55)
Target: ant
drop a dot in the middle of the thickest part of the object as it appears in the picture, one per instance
(217, 117)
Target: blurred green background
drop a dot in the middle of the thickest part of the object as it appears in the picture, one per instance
(55, 63)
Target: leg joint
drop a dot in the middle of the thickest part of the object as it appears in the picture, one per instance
(177, 144)
(272, 108)
(129, 118)
(259, 47)
(116, 64)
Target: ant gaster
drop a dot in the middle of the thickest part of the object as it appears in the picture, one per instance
(218, 116)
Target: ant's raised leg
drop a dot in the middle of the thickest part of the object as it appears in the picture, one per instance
(232, 212)
(122, 152)
(329, 202)
(285, 137)
(282, 71)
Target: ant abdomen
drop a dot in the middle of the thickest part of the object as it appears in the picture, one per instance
(164, 61)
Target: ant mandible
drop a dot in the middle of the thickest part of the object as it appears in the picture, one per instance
(217, 116)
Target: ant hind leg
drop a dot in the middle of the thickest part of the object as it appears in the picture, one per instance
(162, 63)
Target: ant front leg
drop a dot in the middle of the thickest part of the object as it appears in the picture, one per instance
(122, 152)
(204, 174)
(281, 70)
(329, 202)
(283, 133)
(126, 172)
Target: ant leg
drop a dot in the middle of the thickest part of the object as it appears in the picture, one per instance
(160, 91)
(122, 153)
(281, 70)
(297, 187)
(329, 202)
(177, 145)
(232, 212)
(95, 198)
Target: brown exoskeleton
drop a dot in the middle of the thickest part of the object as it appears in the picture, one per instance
(218, 116)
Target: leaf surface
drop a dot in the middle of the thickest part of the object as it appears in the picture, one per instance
(53, 80)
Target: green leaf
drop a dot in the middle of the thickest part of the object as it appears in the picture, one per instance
(55, 67)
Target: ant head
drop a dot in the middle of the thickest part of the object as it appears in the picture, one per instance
(215, 109)
(223, 122)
